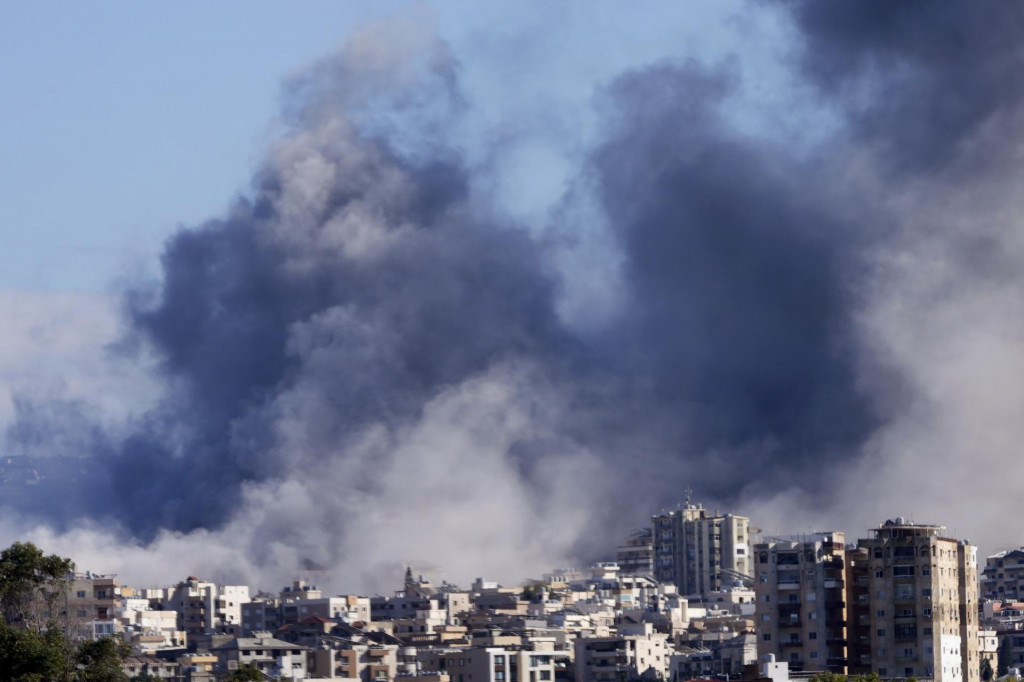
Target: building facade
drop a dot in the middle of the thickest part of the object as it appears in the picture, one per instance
(635, 556)
(1003, 577)
(801, 601)
(700, 552)
(918, 606)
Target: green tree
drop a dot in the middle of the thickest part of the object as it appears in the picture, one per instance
(33, 585)
(34, 646)
(986, 670)
(828, 677)
(246, 673)
(1005, 656)
(32, 656)
(101, 660)
(870, 677)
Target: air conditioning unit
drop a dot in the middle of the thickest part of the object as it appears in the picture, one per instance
(232, 665)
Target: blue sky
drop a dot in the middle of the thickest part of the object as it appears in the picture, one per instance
(122, 121)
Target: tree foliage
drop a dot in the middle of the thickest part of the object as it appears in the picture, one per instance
(34, 644)
(33, 585)
(32, 656)
(839, 677)
(1005, 657)
(246, 673)
(100, 660)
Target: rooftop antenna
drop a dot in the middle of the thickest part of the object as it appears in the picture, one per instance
(689, 494)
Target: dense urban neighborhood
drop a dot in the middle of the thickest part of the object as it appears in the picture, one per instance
(696, 595)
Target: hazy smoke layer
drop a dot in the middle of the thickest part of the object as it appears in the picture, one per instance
(365, 363)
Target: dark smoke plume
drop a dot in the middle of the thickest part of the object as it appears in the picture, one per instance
(365, 348)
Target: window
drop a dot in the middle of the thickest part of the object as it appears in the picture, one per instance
(812, 635)
(81, 594)
(880, 632)
(814, 654)
(880, 613)
(902, 571)
(499, 660)
(926, 592)
(879, 574)
(927, 611)
(545, 674)
(766, 637)
(926, 570)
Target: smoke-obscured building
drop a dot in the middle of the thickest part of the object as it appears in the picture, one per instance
(801, 601)
(635, 556)
(1003, 577)
(700, 552)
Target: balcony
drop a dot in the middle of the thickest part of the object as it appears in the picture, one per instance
(792, 643)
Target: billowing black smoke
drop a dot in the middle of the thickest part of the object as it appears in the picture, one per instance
(363, 280)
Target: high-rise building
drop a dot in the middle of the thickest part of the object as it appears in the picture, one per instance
(700, 552)
(916, 604)
(801, 601)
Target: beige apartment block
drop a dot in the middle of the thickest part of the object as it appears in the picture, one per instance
(636, 652)
(490, 664)
(91, 605)
(916, 604)
(801, 601)
(699, 552)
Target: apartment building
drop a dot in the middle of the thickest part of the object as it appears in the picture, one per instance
(262, 614)
(92, 603)
(1003, 577)
(273, 657)
(635, 556)
(800, 590)
(637, 651)
(700, 552)
(490, 664)
(917, 610)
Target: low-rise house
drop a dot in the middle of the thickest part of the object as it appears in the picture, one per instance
(637, 651)
(267, 654)
(151, 667)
